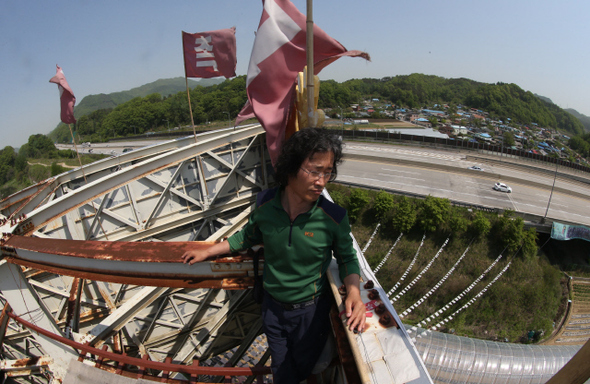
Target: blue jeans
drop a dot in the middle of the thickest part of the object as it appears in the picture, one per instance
(295, 337)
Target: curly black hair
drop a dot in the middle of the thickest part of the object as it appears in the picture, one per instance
(302, 145)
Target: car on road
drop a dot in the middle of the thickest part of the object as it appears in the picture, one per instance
(476, 168)
(502, 187)
(127, 150)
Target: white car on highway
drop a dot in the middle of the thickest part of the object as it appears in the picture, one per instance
(476, 168)
(502, 187)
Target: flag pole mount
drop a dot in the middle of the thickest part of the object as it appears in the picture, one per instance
(311, 115)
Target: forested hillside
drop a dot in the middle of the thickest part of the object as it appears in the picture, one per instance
(225, 100)
(164, 87)
(501, 100)
(35, 161)
(143, 114)
(585, 120)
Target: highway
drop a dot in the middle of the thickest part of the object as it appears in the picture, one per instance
(453, 180)
(115, 148)
(443, 173)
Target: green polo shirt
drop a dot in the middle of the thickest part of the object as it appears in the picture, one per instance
(297, 254)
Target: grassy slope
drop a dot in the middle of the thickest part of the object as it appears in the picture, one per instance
(530, 295)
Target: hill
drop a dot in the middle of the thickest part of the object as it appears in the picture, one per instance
(164, 87)
(159, 105)
(122, 113)
(585, 120)
(502, 101)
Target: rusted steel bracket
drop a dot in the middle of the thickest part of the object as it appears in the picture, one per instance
(25, 367)
(135, 362)
(3, 323)
(139, 263)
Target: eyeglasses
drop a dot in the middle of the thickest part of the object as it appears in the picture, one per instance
(317, 175)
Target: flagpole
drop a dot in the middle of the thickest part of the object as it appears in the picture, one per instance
(77, 153)
(190, 108)
(85, 181)
(311, 121)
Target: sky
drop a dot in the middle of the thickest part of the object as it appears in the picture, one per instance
(110, 46)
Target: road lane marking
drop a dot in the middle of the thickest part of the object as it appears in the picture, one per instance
(403, 177)
(561, 205)
(397, 170)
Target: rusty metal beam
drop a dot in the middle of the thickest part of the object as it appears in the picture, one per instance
(124, 262)
(3, 323)
(25, 367)
(217, 371)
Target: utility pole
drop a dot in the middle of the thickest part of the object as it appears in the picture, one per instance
(551, 195)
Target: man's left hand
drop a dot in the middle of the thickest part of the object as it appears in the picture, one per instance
(355, 308)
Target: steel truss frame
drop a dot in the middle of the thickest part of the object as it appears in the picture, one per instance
(180, 190)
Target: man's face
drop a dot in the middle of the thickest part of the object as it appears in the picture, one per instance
(306, 186)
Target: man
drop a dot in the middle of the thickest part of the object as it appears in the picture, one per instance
(300, 231)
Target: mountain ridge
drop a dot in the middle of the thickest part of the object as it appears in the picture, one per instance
(172, 86)
(164, 87)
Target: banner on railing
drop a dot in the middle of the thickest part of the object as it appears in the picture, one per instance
(568, 232)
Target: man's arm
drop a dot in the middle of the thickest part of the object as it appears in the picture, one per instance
(198, 255)
(355, 308)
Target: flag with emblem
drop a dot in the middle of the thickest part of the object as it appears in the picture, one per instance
(278, 55)
(210, 54)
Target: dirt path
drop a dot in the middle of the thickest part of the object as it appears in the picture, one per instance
(60, 164)
(575, 328)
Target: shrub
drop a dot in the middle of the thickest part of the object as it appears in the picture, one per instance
(435, 211)
(56, 169)
(458, 223)
(480, 225)
(384, 204)
(339, 198)
(359, 198)
(66, 153)
(38, 172)
(510, 231)
(404, 217)
(529, 243)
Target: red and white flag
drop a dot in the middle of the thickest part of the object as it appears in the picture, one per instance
(66, 96)
(278, 55)
(210, 54)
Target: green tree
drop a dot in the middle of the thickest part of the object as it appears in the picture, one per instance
(7, 159)
(39, 146)
(508, 139)
(480, 225)
(359, 198)
(510, 231)
(529, 243)
(433, 120)
(457, 223)
(20, 163)
(404, 217)
(434, 212)
(384, 204)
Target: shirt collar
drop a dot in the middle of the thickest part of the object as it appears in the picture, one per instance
(277, 202)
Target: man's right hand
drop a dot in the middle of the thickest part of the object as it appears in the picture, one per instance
(194, 256)
(199, 255)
